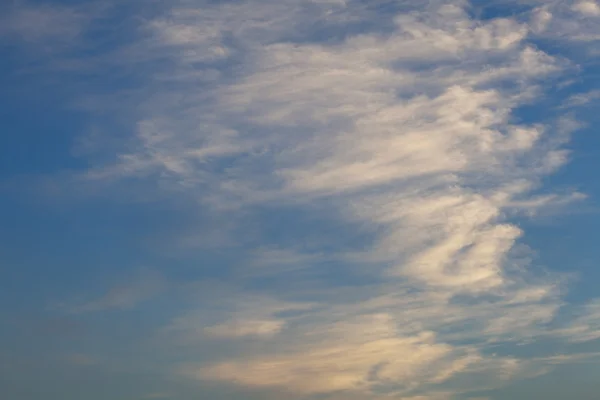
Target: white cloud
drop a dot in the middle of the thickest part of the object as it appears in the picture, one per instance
(239, 315)
(246, 328)
(581, 99)
(573, 22)
(586, 326)
(406, 132)
(589, 8)
(540, 20)
(354, 355)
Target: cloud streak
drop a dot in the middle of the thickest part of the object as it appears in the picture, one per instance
(126, 295)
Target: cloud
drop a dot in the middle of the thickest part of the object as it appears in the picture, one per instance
(586, 326)
(572, 21)
(125, 296)
(347, 363)
(402, 131)
(365, 354)
(581, 99)
(240, 328)
(42, 23)
(588, 8)
(233, 315)
(431, 157)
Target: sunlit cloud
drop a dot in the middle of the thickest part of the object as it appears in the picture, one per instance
(407, 132)
(398, 125)
(588, 8)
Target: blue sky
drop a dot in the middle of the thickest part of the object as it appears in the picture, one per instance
(299, 199)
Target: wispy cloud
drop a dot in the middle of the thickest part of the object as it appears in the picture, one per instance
(573, 21)
(582, 99)
(46, 28)
(406, 130)
(397, 125)
(588, 8)
(229, 314)
(585, 326)
(125, 295)
(35, 23)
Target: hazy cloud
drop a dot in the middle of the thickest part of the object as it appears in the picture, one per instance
(126, 295)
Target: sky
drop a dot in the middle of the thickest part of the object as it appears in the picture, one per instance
(299, 199)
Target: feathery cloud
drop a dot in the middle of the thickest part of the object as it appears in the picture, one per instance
(402, 129)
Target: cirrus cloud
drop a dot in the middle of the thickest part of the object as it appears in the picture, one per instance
(405, 133)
